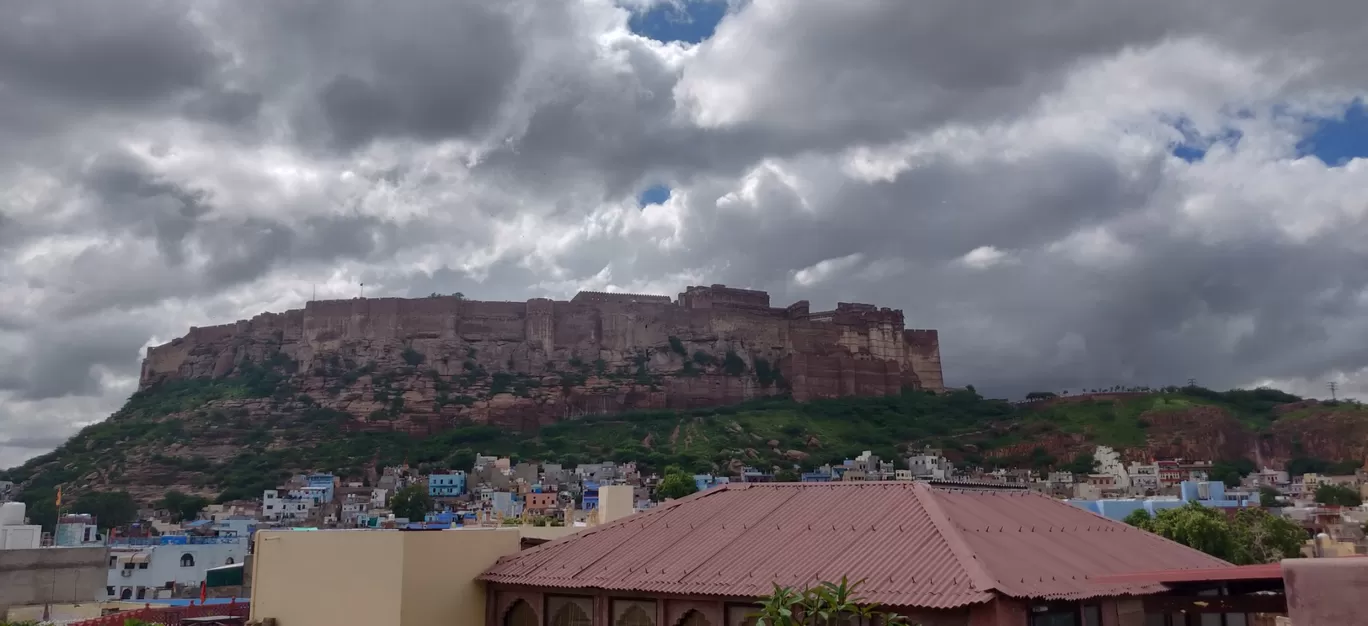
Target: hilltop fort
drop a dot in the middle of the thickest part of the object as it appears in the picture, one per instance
(419, 363)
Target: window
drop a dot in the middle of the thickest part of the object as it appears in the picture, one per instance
(142, 593)
(109, 591)
(126, 594)
(187, 560)
(128, 565)
(569, 611)
(230, 561)
(113, 563)
(694, 618)
(1055, 617)
(634, 613)
(142, 565)
(739, 615)
(520, 615)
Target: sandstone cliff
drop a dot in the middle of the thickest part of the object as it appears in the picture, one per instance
(422, 364)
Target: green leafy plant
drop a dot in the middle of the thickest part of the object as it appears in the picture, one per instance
(827, 604)
(676, 483)
(411, 502)
(1253, 536)
(678, 346)
(1340, 495)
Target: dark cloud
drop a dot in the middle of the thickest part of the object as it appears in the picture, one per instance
(95, 54)
(999, 171)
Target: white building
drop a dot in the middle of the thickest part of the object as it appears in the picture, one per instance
(14, 533)
(1109, 463)
(285, 507)
(146, 569)
(1144, 476)
(930, 464)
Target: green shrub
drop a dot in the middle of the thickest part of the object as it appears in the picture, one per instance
(678, 346)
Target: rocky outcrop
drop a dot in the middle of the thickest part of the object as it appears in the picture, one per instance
(422, 364)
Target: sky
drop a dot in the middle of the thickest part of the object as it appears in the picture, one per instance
(1075, 193)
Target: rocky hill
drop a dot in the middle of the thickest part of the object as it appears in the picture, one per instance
(712, 381)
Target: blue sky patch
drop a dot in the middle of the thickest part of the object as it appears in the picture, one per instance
(692, 22)
(655, 194)
(1194, 145)
(1337, 141)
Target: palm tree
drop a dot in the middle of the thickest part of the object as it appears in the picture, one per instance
(827, 604)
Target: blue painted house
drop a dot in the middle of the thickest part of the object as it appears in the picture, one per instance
(447, 485)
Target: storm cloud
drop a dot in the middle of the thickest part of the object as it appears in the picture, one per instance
(1075, 193)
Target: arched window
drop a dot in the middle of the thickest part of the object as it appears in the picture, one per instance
(126, 594)
(187, 560)
(230, 561)
(569, 611)
(520, 615)
(633, 613)
(694, 618)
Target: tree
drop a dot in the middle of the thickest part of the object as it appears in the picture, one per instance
(675, 484)
(1194, 526)
(111, 509)
(1268, 497)
(827, 604)
(1231, 472)
(1041, 395)
(787, 476)
(1332, 495)
(1084, 463)
(42, 507)
(411, 502)
(1261, 537)
(1254, 536)
(183, 507)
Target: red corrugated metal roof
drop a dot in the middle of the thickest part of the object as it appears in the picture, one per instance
(914, 545)
(1266, 571)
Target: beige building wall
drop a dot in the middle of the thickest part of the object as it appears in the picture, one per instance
(615, 503)
(56, 575)
(368, 577)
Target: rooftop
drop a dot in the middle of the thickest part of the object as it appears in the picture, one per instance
(915, 545)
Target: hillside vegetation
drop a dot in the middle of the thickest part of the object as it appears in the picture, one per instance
(199, 436)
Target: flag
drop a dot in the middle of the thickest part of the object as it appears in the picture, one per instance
(59, 496)
(204, 591)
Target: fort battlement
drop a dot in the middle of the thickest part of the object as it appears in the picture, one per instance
(605, 296)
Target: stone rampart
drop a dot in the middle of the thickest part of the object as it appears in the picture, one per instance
(855, 349)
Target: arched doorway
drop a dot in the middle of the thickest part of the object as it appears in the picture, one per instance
(635, 615)
(570, 614)
(694, 618)
(520, 615)
(187, 560)
(126, 594)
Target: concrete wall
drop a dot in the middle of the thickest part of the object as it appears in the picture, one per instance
(341, 578)
(57, 575)
(615, 502)
(439, 574)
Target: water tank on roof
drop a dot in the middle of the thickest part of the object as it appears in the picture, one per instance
(12, 513)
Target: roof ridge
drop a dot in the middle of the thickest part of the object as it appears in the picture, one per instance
(978, 574)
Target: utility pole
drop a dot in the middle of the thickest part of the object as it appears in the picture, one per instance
(1332, 385)
(1192, 382)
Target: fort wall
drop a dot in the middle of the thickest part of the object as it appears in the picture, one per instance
(854, 349)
